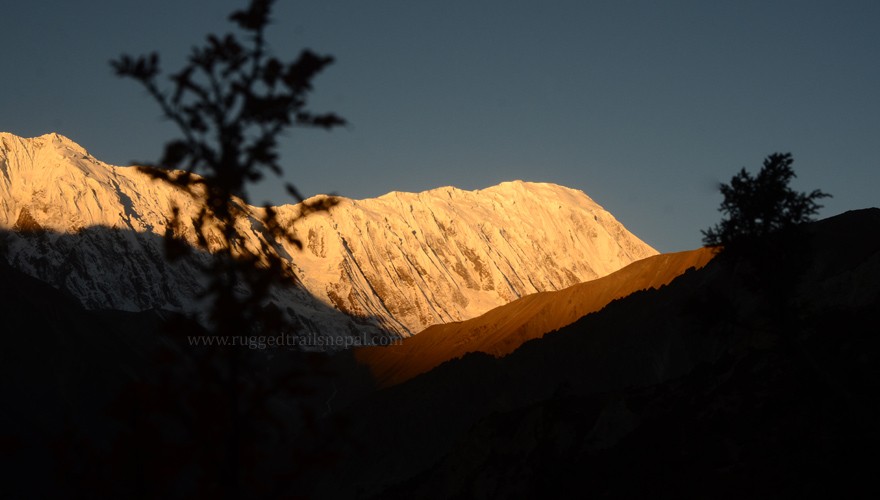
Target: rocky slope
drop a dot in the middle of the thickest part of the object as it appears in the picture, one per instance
(398, 263)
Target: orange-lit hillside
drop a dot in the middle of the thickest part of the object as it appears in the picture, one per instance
(501, 330)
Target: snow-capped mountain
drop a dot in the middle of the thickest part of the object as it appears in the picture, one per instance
(398, 263)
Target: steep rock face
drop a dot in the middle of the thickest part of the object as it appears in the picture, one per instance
(399, 263)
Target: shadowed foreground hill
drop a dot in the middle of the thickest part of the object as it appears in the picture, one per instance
(501, 330)
(722, 384)
(58, 363)
(118, 404)
(726, 383)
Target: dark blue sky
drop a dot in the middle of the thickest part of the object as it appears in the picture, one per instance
(643, 105)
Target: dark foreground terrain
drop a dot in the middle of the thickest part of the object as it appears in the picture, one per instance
(756, 376)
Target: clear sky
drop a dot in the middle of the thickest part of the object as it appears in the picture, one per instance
(643, 105)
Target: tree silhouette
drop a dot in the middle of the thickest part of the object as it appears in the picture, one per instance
(761, 205)
(230, 103)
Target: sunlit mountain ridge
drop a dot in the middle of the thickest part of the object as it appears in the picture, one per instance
(397, 263)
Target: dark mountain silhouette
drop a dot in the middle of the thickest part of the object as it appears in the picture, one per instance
(103, 403)
(714, 385)
(707, 387)
(59, 364)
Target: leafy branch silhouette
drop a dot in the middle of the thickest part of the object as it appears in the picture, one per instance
(230, 103)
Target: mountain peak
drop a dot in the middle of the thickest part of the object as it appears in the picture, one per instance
(506, 189)
(52, 139)
(547, 190)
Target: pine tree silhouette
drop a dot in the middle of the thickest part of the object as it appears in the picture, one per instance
(762, 205)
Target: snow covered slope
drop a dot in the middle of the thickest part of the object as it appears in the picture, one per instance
(399, 263)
